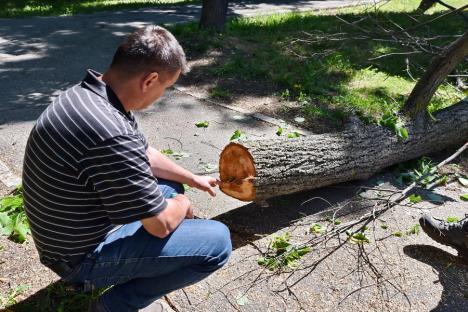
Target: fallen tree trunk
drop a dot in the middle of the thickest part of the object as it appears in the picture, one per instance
(257, 170)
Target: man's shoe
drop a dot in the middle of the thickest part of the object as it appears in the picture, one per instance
(453, 234)
(156, 306)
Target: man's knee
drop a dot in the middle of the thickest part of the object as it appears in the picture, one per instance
(168, 188)
(219, 239)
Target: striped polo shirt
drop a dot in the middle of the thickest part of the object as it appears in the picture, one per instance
(85, 171)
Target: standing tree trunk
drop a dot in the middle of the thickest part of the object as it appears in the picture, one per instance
(214, 14)
(438, 70)
(257, 170)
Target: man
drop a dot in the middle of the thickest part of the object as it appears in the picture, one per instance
(453, 234)
(98, 215)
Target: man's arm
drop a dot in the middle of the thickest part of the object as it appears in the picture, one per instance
(161, 225)
(165, 168)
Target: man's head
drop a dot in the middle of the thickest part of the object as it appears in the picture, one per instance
(147, 62)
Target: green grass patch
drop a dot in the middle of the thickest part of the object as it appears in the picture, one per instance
(24, 8)
(13, 221)
(329, 78)
(220, 93)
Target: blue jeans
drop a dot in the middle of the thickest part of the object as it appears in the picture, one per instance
(143, 268)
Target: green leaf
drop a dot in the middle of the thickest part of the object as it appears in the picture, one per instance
(21, 227)
(293, 135)
(279, 131)
(464, 197)
(442, 180)
(167, 151)
(317, 228)
(335, 222)
(414, 229)
(236, 136)
(359, 238)
(179, 155)
(304, 250)
(202, 124)
(402, 133)
(463, 181)
(209, 167)
(175, 155)
(451, 219)
(414, 199)
(281, 242)
(242, 300)
(384, 226)
(6, 224)
(397, 234)
(11, 203)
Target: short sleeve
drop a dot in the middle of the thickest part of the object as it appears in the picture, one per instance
(119, 171)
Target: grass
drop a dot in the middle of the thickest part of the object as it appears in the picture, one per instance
(25, 8)
(329, 79)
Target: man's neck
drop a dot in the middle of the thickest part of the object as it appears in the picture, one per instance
(120, 88)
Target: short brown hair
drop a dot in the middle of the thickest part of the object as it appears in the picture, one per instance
(151, 48)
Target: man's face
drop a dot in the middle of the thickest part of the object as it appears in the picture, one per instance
(155, 88)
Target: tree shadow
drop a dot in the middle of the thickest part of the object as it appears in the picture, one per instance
(452, 272)
(40, 57)
(250, 222)
(332, 65)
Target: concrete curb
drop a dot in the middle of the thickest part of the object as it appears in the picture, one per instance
(258, 116)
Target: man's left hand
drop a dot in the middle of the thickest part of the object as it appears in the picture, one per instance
(205, 183)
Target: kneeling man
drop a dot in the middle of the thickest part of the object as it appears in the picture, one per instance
(98, 214)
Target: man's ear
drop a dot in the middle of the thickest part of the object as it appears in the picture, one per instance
(149, 80)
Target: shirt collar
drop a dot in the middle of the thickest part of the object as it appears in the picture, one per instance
(92, 82)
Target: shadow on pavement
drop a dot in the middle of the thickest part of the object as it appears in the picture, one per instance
(54, 297)
(250, 222)
(453, 275)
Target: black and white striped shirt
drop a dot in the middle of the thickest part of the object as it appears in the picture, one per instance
(85, 171)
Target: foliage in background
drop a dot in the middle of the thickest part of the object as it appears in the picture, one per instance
(13, 222)
(328, 79)
(23, 8)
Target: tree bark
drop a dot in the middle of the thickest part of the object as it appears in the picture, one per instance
(214, 14)
(438, 70)
(257, 170)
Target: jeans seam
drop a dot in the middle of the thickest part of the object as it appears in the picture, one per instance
(154, 258)
(104, 305)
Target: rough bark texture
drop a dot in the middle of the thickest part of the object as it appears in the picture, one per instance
(425, 5)
(214, 14)
(286, 166)
(438, 70)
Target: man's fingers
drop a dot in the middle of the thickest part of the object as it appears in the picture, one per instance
(211, 191)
